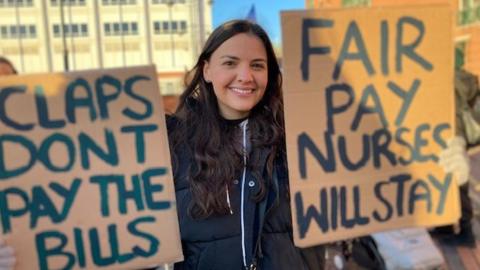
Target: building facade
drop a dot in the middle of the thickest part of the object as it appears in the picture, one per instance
(466, 27)
(58, 35)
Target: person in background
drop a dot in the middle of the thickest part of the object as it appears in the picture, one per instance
(6, 67)
(466, 92)
(7, 259)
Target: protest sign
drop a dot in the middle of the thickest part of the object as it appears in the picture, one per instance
(85, 175)
(368, 107)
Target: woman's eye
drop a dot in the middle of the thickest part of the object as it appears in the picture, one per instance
(228, 63)
(258, 66)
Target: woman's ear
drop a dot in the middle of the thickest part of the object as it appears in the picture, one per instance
(206, 71)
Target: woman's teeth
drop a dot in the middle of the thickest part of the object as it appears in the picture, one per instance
(241, 91)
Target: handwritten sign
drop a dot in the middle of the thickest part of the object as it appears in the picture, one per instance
(368, 107)
(85, 178)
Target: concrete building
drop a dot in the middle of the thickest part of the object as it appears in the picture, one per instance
(466, 29)
(105, 34)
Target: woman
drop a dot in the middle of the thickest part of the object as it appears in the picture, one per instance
(228, 149)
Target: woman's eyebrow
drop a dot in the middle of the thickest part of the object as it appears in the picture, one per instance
(230, 57)
(237, 58)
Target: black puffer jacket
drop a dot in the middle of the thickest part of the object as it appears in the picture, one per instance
(216, 242)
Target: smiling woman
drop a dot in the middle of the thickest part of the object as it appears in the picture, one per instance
(228, 147)
(238, 71)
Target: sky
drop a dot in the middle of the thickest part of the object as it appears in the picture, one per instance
(267, 13)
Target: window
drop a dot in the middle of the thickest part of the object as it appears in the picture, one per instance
(106, 29)
(22, 31)
(18, 31)
(167, 27)
(168, 2)
(465, 4)
(84, 29)
(71, 30)
(118, 2)
(117, 29)
(68, 2)
(169, 88)
(469, 12)
(74, 30)
(56, 30)
(66, 29)
(355, 3)
(183, 26)
(32, 30)
(460, 55)
(13, 30)
(134, 28)
(125, 28)
(13, 3)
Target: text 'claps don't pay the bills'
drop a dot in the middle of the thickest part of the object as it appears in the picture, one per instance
(368, 107)
(85, 174)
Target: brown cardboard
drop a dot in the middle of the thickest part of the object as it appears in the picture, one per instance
(146, 233)
(368, 192)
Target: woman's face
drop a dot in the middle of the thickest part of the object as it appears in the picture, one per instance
(238, 71)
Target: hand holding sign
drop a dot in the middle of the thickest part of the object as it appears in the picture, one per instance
(7, 257)
(454, 160)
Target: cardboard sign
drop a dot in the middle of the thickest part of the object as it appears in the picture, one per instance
(368, 106)
(85, 178)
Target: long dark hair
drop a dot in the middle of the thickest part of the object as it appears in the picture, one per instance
(215, 144)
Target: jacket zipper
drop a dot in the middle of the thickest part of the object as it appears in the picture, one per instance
(244, 131)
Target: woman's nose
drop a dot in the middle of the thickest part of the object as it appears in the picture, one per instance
(245, 74)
